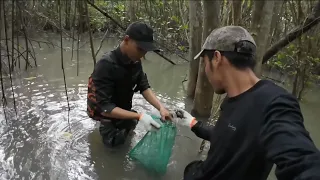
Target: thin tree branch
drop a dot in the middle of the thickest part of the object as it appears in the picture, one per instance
(103, 38)
(123, 28)
(90, 34)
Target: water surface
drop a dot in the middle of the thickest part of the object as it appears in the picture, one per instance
(41, 142)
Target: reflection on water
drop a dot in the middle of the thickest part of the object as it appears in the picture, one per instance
(44, 141)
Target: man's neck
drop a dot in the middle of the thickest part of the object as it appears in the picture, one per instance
(123, 51)
(240, 82)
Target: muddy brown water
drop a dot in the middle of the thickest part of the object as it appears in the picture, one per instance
(40, 143)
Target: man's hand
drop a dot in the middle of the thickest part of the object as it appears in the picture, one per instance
(165, 115)
(154, 101)
(184, 118)
(148, 122)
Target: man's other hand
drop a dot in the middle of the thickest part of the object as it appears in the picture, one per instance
(148, 122)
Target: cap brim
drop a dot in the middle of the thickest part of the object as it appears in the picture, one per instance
(148, 46)
(198, 55)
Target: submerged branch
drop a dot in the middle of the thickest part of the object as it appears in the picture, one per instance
(62, 66)
(34, 53)
(78, 44)
(73, 26)
(20, 54)
(8, 57)
(3, 98)
(12, 34)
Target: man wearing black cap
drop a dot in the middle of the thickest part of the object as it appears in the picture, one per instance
(260, 123)
(116, 77)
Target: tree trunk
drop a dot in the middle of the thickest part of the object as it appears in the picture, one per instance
(131, 13)
(204, 92)
(68, 15)
(275, 25)
(256, 16)
(295, 83)
(263, 28)
(82, 16)
(303, 81)
(225, 16)
(236, 12)
(195, 26)
(1, 22)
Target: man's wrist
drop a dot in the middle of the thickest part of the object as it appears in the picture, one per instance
(193, 122)
(161, 107)
(138, 116)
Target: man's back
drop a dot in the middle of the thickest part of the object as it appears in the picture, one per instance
(255, 129)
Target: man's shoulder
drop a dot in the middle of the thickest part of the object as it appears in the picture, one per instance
(271, 90)
(269, 93)
(108, 57)
(274, 95)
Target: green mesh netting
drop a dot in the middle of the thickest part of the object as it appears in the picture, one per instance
(153, 151)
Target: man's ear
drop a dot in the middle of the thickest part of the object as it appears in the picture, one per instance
(126, 38)
(217, 58)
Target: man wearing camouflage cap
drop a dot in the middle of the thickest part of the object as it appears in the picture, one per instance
(260, 123)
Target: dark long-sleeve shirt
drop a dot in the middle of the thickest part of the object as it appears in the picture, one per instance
(256, 129)
(113, 82)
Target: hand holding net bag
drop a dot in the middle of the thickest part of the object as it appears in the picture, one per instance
(154, 150)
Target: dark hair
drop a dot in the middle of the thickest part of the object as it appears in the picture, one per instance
(238, 58)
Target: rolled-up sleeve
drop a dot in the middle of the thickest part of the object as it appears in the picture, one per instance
(103, 80)
(143, 82)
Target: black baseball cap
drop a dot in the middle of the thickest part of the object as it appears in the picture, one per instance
(143, 35)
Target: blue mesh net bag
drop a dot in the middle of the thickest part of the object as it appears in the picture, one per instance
(154, 150)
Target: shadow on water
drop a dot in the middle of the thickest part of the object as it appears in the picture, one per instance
(39, 144)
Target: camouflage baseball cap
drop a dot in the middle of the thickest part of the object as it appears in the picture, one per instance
(227, 39)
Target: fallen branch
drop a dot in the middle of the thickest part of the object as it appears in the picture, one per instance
(51, 22)
(123, 28)
(45, 42)
(312, 20)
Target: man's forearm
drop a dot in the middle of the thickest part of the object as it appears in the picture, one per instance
(152, 99)
(202, 131)
(119, 113)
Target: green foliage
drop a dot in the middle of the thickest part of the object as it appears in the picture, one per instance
(300, 58)
(97, 20)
